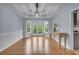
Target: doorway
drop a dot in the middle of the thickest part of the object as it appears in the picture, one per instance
(37, 27)
(75, 17)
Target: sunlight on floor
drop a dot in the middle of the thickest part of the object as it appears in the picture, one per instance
(37, 44)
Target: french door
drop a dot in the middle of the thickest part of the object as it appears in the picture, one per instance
(37, 28)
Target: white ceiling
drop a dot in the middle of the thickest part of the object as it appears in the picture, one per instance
(46, 10)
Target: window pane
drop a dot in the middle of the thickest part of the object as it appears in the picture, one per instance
(40, 28)
(34, 29)
(37, 27)
(46, 26)
(28, 26)
(28, 29)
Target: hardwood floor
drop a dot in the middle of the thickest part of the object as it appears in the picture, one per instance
(36, 46)
(76, 51)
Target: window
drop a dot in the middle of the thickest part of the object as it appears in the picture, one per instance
(37, 27)
(28, 26)
(46, 26)
(34, 29)
(40, 28)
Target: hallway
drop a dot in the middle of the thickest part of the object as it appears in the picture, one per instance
(36, 46)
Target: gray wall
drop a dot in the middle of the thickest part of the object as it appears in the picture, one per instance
(9, 19)
(10, 26)
(65, 22)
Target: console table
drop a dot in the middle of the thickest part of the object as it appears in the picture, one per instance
(65, 39)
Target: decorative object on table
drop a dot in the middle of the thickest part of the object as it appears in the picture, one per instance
(55, 28)
(54, 31)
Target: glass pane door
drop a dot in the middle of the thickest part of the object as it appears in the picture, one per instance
(34, 28)
(40, 28)
(37, 28)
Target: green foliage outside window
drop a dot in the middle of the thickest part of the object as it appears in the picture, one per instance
(37, 28)
(46, 28)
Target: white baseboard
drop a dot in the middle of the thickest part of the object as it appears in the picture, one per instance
(8, 39)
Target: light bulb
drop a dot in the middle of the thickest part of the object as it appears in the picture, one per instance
(37, 15)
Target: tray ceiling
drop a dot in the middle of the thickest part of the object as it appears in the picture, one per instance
(46, 10)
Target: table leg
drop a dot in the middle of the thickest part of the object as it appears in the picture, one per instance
(60, 41)
(65, 42)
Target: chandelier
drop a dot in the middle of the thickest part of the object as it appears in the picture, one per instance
(37, 12)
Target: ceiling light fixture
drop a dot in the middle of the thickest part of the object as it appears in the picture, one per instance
(37, 15)
(37, 12)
